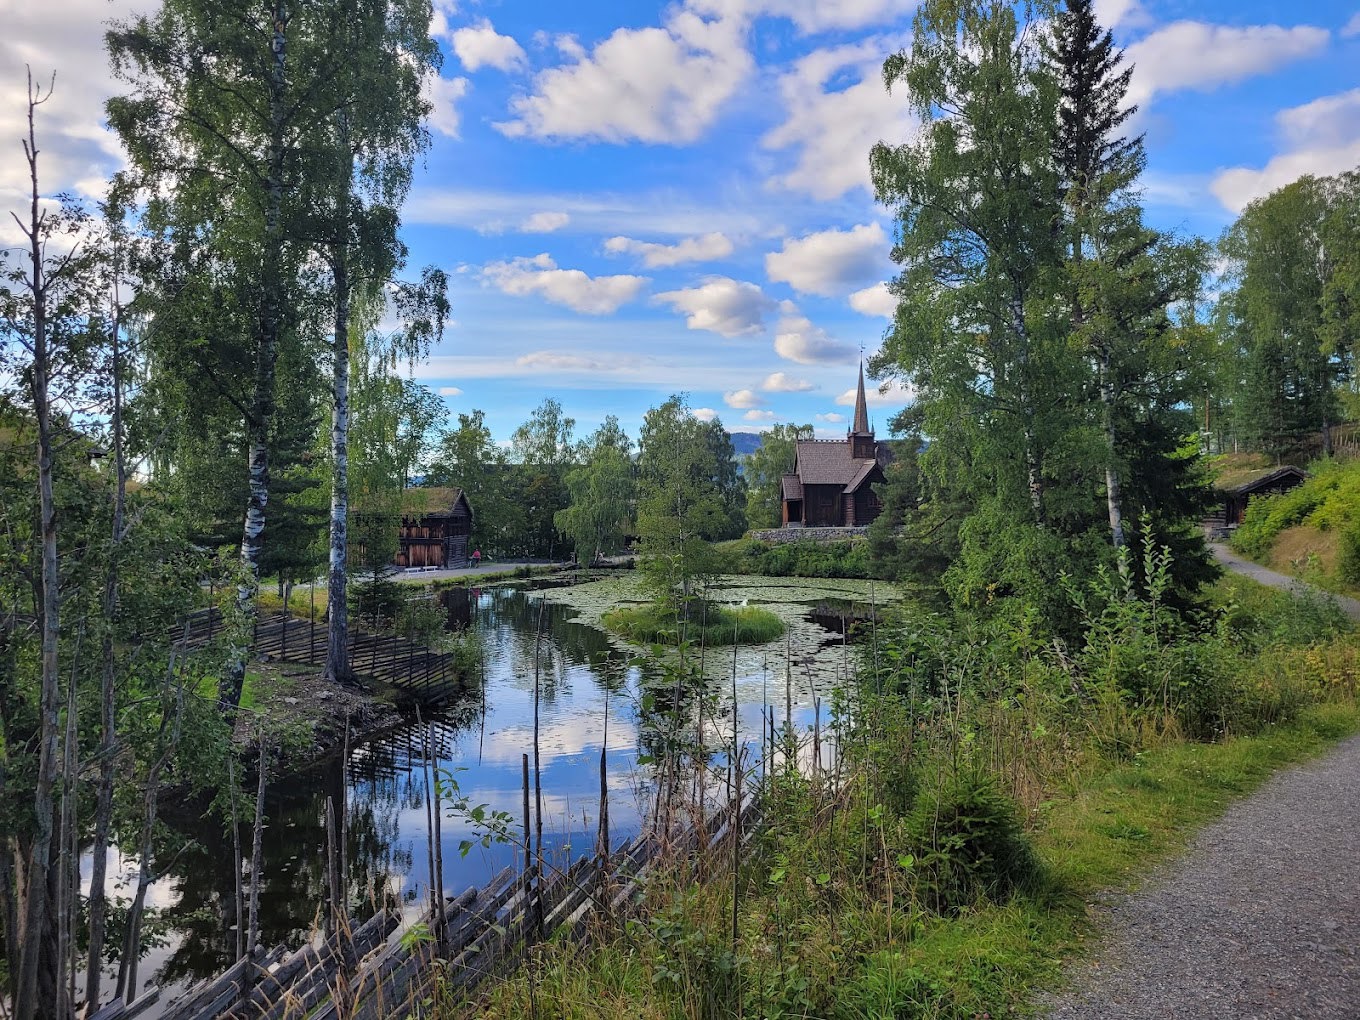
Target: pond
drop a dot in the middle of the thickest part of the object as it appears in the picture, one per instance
(592, 689)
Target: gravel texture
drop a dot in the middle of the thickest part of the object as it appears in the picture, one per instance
(1260, 918)
(1231, 561)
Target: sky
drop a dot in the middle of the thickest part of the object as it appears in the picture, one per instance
(638, 199)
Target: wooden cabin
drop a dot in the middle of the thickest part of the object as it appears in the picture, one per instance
(435, 528)
(831, 485)
(1237, 488)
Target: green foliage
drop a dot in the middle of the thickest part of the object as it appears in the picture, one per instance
(850, 558)
(687, 492)
(603, 491)
(971, 844)
(705, 623)
(764, 472)
(1328, 500)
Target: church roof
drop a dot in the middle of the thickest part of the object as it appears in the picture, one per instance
(828, 462)
(866, 469)
(791, 487)
(861, 424)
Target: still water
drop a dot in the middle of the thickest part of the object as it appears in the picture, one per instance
(591, 698)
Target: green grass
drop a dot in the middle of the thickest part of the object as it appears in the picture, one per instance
(826, 945)
(808, 558)
(718, 625)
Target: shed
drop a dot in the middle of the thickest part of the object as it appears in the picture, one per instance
(1237, 488)
(436, 525)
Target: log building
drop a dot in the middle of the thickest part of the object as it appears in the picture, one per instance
(831, 484)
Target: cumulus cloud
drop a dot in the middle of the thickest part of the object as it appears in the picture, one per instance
(545, 222)
(721, 305)
(743, 398)
(443, 95)
(829, 125)
(703, 413)
(1320, 138)
(450, 391)
(665, 84)
(797, 339)
(690, 249)
(890, 394)
(593, 295)
(759, 416)
(1113, 13)
(480, 45)
(875, 300)
(780, 382)
(831, 262)
(1352, 28)
(831, 419)
(1200, 56)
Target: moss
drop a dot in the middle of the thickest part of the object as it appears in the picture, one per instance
(712, 625)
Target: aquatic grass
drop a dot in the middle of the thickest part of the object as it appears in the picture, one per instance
(719, 625)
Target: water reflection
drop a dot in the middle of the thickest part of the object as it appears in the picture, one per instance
(479, 741)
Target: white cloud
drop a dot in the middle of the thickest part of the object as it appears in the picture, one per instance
(797, 339)
(593, 295)
(704, 248)
(572, 361)
(1320, 138)
(743, 398)
(545, 222)
(759, 416)
(780, 382)
(875, 300)
(443, 95)
(831, 419)
(815, 15)
(663, 85)
(830, 125)
(76, 153)
(703, 413)
(891, 394)
(1113, 13)
(721, 305)
(1352, 28)
(450, 391)
(830, 262)
(480, 45)
(1200, 56)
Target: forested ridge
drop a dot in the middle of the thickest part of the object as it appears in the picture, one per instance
(207, 390)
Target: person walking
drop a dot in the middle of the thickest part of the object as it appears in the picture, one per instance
(476, 557)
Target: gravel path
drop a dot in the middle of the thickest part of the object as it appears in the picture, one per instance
(1231, 561)
(1261, 918)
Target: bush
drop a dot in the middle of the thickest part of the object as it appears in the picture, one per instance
(971, 844)
(808, 558)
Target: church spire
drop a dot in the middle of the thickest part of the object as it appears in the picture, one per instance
(861, 425)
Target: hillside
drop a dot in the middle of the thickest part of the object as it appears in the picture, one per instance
(1313, 530)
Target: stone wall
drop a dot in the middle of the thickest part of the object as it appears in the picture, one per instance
(782, 535)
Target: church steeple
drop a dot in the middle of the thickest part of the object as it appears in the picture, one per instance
(861, 425)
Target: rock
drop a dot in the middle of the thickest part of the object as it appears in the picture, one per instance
(325, 695)
(290, 701)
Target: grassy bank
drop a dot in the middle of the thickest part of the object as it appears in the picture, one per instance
(716, 625)
(990, 784)
(1313, 530)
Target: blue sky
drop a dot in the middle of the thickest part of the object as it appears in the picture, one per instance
(637, 199)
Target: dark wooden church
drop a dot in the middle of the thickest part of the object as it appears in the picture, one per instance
(436, 524)
(831, 485)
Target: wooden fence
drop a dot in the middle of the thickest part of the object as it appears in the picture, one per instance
(395, 661)
(372, 971)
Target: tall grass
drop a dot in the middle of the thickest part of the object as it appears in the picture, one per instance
(987, 783)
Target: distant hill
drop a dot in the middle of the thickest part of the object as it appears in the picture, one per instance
(745, 443)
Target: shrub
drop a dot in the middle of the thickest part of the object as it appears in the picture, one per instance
(809, 558)
(971, 844)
